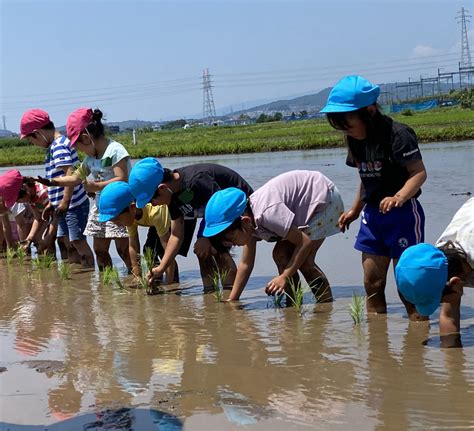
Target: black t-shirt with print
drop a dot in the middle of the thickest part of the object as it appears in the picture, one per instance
(382, 162)
(199, 182)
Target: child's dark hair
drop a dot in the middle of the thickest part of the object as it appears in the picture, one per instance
(456, 259)
(27, 182)
(217, 240)
(49, 126)
(95, 127)
(377, 124)
(167, 175)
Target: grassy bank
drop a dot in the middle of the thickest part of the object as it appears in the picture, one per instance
(450, 124)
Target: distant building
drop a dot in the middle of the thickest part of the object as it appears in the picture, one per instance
(114, 129)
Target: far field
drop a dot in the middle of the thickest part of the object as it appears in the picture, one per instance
(450, 124)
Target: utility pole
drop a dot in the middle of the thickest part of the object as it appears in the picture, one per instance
(463, 18)
(4, 122)
(208, 109)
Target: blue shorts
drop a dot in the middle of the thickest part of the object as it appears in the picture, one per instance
(391, 233)
(74, 222)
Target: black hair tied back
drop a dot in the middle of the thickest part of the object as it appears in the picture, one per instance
(96, 128)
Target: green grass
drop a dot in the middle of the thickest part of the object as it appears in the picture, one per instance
(64, 270)
(111, 277)
(442, 124)
(357, 307)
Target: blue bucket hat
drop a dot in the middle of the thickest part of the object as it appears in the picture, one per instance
(113, 200)
(145, 177)
(351, 93)
(421, 275)
(222, 209)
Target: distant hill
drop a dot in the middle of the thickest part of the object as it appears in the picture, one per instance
(6, 133)
(310, 102)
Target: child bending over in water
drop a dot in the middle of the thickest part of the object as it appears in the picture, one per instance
(117, 205)
(297, 210)
(428, 275)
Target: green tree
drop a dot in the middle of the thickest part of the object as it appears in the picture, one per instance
(262, 118)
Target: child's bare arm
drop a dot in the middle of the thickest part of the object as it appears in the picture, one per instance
(244, 270)
(133, 249)
(449, 320)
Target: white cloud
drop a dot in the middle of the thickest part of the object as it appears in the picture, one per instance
(424, 51)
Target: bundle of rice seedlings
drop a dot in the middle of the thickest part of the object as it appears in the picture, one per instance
(9, 255)
(64, 270)
(296, 294)
(111, 277)
(356, 308)
(21, 255)
(218, 277)
(81, 172)
(44, 261)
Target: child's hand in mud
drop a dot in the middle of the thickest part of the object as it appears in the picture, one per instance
(276, 286)
(153, 275)
(386, 204)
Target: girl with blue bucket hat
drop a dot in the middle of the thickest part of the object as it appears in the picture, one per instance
(391, 170)
(297, 210)
(429, 275)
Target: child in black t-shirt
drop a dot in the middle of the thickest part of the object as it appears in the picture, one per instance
(388, 159)
(186, 192)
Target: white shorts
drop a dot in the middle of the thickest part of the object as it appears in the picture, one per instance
(325, 223)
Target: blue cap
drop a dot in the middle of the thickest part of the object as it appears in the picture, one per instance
(222, 209)
(145, 177)
(351, 93)
(113, 200)
(421, 275)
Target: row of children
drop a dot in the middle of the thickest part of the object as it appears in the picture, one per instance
(297, 210)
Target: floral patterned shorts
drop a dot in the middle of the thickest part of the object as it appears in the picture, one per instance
(325, 223)
(98, 229)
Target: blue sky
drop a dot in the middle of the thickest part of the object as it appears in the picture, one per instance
(144, 59)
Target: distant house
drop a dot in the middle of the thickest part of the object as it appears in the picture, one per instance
(114, 129)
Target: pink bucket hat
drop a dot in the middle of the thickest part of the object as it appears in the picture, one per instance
(32, 120)
(77, 122)
(10, 184)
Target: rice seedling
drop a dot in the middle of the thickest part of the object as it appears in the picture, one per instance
(357, 307)
(277, 298)
(21, 255)
(148, 259)
(111, 277)
(296, 294)
(64, 270)
(218, 277)
(81, 172)
(44, 261)
(9, 255)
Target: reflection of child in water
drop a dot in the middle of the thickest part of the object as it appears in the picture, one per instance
(428, 275)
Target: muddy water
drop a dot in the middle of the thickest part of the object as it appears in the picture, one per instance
(80, 355)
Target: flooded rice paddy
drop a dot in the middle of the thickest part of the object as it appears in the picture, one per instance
(78, 355)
